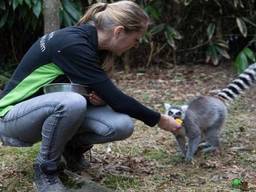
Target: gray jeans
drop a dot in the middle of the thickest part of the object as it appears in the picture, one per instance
(58, 118)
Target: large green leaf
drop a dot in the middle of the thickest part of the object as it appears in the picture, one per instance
(223, 52)
(29, 3)
(241, 3)
(158, 28)
(241, 62)
(235, 2)
(153, 12)
(15, 4)
(222, 43)
(173, 32)
(244, 58)
(69, 7)
(242, 26)
(249, 53)
(67, 21)
(210, 30)
(37, 8)
(212, 54)
(187, 2)
(146, 37)
(238, 3)
(20, 2)
(170, 40)
(215, 57)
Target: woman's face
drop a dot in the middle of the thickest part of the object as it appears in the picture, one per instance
(123, 41)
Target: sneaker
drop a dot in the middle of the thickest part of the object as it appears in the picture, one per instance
(74, 158)
(46, 178)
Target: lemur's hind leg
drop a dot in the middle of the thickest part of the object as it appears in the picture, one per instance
(212, 138)
(203, 144)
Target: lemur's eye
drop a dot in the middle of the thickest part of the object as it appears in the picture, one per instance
(178, 113)
(170, 113)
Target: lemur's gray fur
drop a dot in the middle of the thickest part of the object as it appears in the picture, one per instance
(205, 115)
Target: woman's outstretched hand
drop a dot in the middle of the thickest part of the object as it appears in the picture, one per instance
(168, 123)
(95, 99)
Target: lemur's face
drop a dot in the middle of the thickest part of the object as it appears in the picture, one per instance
(177, 112)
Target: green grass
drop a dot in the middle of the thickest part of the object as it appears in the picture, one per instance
(16, 168)
(121, 182)
(155, 154)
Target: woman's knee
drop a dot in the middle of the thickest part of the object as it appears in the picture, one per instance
(73, 103)
(117, 128)
(123, 127)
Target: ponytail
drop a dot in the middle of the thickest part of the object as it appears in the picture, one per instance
(90, 13)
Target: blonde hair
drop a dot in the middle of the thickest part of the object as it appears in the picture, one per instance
(126, 13)
(106, 16)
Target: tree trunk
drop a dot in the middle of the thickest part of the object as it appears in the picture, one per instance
(51, 15)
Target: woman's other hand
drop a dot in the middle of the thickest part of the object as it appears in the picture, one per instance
(168, 123)
(95, 99)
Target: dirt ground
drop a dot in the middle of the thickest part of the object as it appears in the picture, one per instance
(148, 160)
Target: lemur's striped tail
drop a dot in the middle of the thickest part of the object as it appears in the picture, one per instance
(239, 85)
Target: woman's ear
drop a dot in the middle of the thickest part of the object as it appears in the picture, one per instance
(118, 30)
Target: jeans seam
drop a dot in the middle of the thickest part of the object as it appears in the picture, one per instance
(103, 122)
(17, 117)
(53, 135)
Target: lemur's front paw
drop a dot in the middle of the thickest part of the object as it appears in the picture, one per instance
(210, 149)
(189, 159)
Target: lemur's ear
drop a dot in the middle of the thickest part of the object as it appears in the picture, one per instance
(167, 106)
(184, 107)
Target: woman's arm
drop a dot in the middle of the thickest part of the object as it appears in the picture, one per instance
(123, 103)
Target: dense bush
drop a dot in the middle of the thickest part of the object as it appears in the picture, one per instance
(182, 31)
(203, 31)
(21, 23)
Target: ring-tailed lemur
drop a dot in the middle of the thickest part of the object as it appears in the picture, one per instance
(205, 115)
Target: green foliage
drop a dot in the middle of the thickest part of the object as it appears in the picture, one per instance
(119, 181)
(210, 30)
(155, 154)
(70, 12)
(21, 23)
(19, 11)
(198, 28)
(182, 31)
(161, 34)
(242, 26)
(153, 11)
(244, 58)
(37, 8)
(215, 51)
(170, 34)
(217, 48)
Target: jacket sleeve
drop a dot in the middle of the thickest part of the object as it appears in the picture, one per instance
(123, 103)
(80, 64)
